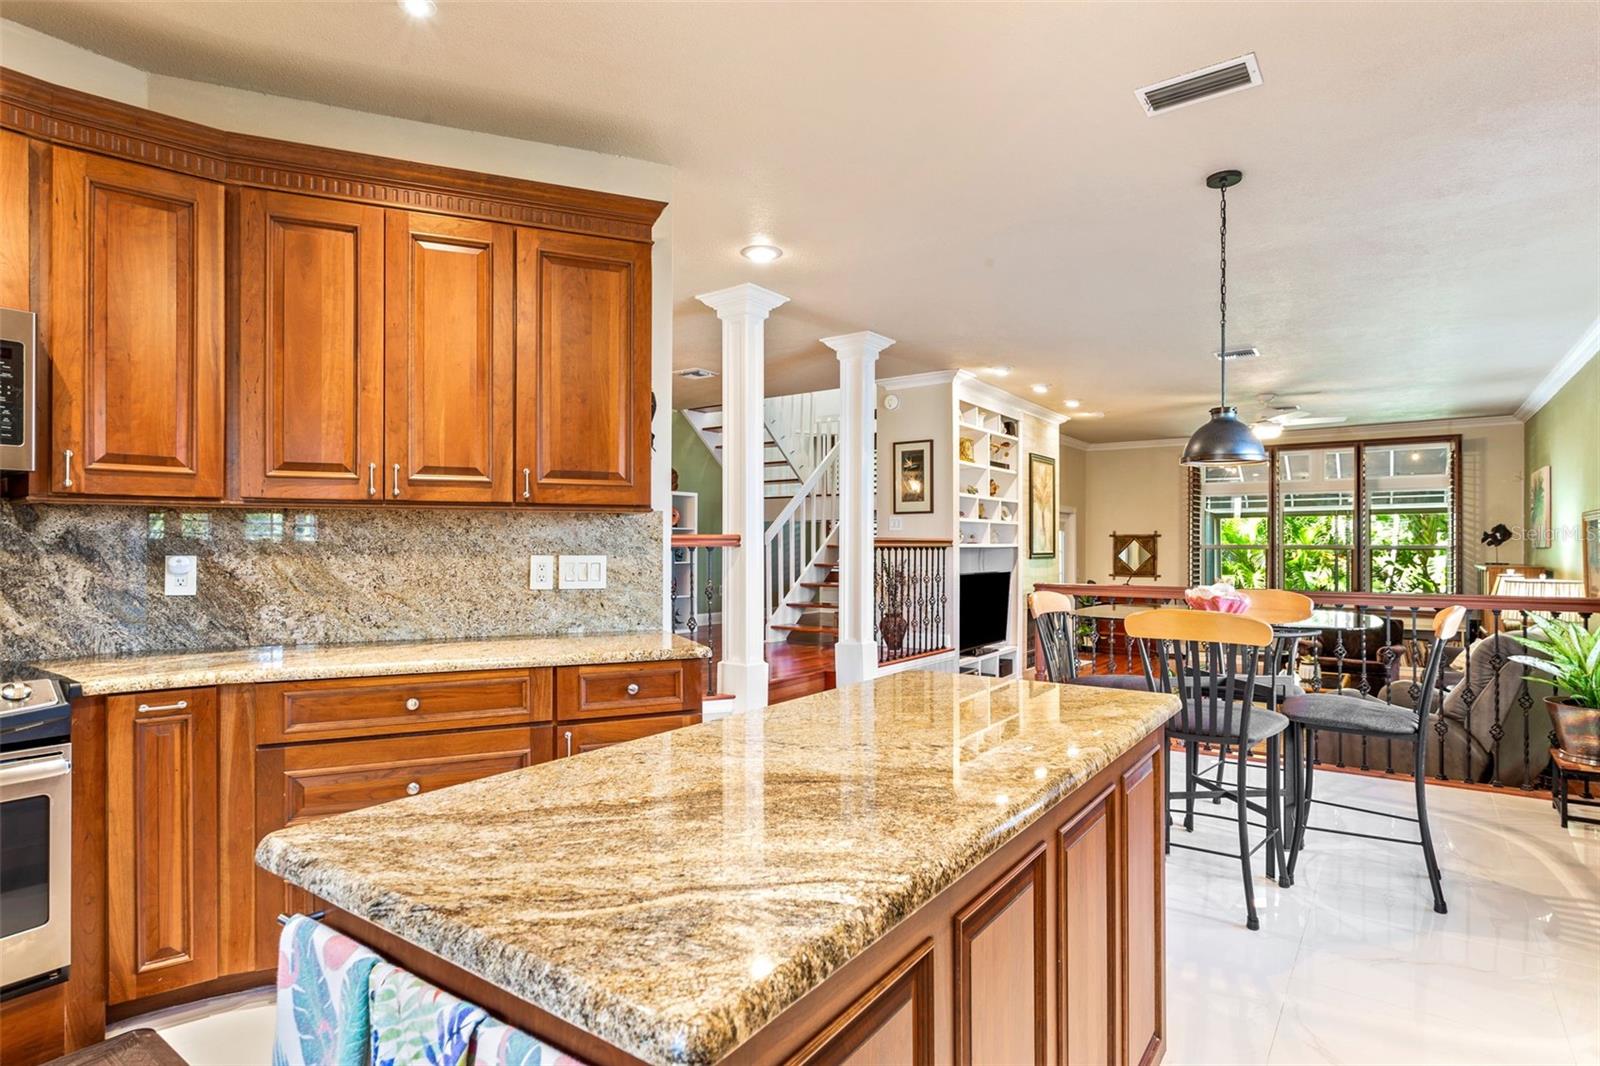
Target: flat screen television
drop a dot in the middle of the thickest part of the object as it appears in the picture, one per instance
(985, 608)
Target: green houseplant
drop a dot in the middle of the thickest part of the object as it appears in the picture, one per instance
(1570, 653)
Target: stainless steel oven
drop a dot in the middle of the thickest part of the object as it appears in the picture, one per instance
(35, 836)
(18, 389)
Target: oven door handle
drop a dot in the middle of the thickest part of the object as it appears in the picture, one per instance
(22, 773)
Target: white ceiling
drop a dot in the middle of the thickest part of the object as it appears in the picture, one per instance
(1417, 236)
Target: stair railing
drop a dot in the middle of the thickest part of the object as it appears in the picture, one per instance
(799, 535)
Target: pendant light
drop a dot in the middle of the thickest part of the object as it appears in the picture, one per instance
(1224, 440)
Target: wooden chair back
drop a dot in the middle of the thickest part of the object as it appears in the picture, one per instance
(1209, 660)
(1447, 623)
(1274, 606)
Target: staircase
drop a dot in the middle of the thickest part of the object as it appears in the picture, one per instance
(801, 485)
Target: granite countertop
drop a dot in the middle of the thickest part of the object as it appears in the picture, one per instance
(713, 875)
(108, 675)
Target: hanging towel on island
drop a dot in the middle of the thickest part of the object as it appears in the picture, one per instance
(321, 1016)
(415, 1023)
(498, 1044)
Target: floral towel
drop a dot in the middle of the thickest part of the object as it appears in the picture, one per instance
(322, 1017)
(414, 1023)
(498, 1044)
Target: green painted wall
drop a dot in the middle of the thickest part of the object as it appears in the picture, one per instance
(1565, 436)
(698, 471)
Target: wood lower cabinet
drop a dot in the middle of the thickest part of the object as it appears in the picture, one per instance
(1089, 993)
(310, 348)
(1002, 968)
(375, 706)
(583, 370)
(449, 379)
(575, 738)
(161, 841)
(1143, 925)
(892, 1023)
(135, 329)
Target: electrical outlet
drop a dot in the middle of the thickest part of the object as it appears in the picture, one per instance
(541, 572)
(583, 572)
(183, 575)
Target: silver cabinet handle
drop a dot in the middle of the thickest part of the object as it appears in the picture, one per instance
(413, 788)
(148, 708)
(413, 703)
(397, 479)
(527, 483)
(568, 735)
(372, 479)
(633, 690)
(66, 480)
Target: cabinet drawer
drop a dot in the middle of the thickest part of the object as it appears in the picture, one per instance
(311, 781)
(615, 690)
(588, 736)
(379, 706)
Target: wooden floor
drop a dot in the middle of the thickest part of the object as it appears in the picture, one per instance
(796, 670)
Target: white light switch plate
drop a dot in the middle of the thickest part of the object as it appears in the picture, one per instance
(897, 524)
(541, 572)
(583, 572)
(183, 575)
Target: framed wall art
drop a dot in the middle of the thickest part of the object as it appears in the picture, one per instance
(1042, 517)
(913, 477)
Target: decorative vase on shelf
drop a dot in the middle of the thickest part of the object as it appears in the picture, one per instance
(675, 517)
(966, 450)
(994, 487)
(892, 627)
(674, 480)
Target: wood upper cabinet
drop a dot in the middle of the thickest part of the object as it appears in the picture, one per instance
(583, 370)
(136, 329)
(14, 257)
(310, 348)
(161, 841)
(449, 357)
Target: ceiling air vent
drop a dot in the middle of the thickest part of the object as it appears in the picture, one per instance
(1217, 80)
(696, 373)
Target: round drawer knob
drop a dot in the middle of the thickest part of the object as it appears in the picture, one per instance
(633, 690)
(413, 788)
(413, 703)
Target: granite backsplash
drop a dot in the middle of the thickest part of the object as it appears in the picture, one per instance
(88, 579)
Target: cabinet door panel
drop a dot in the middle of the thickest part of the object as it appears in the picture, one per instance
(310, 347)
(161, 832)
(1144, 990)
(136, 336)
(583, 377)
(449, 359)
(1088, 917)
(1002, 968)
(15, 259)
(892, 1022)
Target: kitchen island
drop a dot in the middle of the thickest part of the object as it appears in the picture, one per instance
(927, 867)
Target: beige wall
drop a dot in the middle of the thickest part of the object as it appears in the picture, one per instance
(923, 413)
(1565, 436)
(1074, 466)
(1143, 490)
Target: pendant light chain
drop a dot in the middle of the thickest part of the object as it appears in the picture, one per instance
(1222, 343)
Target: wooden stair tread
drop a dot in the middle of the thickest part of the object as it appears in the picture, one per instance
(819, 584)
(807, 629)
(816, 606)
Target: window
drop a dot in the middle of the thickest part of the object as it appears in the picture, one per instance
(1378, 516)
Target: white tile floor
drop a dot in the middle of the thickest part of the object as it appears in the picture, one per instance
(1351, 965)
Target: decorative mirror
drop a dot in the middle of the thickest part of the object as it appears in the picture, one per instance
(1134, 555)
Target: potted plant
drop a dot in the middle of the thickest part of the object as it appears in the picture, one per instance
(1570, 653)
(892, 621)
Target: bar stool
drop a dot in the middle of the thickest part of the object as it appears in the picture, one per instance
(1054, 617)
(1209, 661)
(1359, 716)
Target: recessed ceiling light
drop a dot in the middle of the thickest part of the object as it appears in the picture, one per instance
(761, 253)
(1072, 404)
(419, 9)
(997, 371)
(1041, 389)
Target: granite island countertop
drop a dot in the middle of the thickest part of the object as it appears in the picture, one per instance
(109, 675)
(715, 874)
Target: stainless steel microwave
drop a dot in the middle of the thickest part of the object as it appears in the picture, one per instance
(18, 389)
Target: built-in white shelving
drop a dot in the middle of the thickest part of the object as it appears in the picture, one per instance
(685, 566)
(988, 500)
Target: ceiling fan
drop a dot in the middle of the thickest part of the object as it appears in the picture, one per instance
(1274, 416)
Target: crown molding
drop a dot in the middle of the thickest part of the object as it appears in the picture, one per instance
(58, 115)
(993, 394)
(1564, 371)
(1124, 445)
(918, 381)
(1073, 442)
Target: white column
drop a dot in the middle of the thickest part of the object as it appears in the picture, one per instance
(743, 310)
(855, 657)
